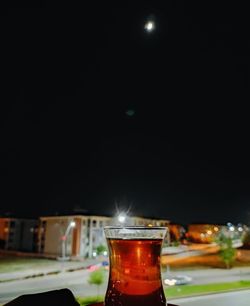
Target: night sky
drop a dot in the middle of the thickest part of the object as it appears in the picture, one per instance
(96, 111)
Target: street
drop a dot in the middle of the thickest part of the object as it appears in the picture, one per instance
(78, 282)
(206, 276)
(75, 281)
(237, 298)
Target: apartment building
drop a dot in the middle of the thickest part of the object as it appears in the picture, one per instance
(80, 239)
(80, 235)
(18, 234)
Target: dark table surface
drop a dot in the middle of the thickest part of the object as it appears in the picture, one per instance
(101, 304)
(62, 297)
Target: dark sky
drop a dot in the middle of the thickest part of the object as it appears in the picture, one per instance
(69, 75)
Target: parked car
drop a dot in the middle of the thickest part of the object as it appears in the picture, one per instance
(173, 280)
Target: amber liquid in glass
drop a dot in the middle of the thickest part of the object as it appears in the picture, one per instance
(135, 276)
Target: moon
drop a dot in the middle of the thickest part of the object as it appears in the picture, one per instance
(149, 26)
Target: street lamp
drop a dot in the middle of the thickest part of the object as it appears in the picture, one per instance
(168, 244)
(240, 229)
(122, 218)
(231, 228)
(64, 237)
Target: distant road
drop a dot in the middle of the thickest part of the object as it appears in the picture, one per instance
(237, 298)
(206, 276)
(78, 282)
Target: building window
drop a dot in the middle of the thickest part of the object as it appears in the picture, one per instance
(94, 223)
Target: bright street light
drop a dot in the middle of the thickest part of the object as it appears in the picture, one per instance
(231, 228)
(72, 224)
(122, 218)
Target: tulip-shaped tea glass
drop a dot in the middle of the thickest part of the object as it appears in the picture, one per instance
(135, 270)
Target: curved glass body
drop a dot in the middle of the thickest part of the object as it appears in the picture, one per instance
(135, 271)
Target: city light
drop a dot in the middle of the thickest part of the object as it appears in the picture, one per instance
(170, 282)
(122, 218)
(72, 224)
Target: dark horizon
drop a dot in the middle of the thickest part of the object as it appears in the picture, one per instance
(95, 110)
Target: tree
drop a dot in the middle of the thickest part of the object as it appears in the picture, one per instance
(96, 278)
(227, 253)
(101, 249)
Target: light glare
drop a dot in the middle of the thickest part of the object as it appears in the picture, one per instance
(231, 228)
(72, 224)
(121, 218)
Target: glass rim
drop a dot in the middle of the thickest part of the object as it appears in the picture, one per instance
(134, 227)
